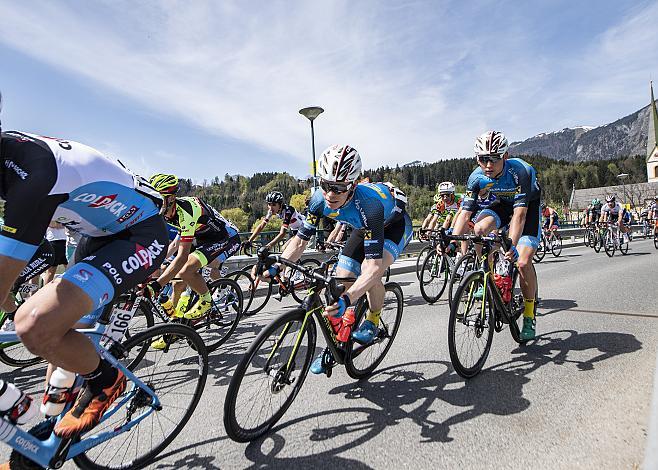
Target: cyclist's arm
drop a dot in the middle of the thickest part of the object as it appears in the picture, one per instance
(426, 223)
(173, 246)
(279, 237)
(335, 232)
(258, 229)
(448, 221)
(184, 249)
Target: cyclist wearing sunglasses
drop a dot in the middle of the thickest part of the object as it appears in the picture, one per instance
(382, 230)
(447, 204)
(517, 204)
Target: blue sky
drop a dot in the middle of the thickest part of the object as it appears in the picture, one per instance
(207, 88)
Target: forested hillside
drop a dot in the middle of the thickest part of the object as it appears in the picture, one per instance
(242, 198)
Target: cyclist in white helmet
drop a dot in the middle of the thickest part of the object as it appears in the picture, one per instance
(446, 206)
(382, 229)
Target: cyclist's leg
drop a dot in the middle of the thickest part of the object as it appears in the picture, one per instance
(527, 246)
(205, 253)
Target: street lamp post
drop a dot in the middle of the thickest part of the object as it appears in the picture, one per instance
(311, 113)
(622, 177)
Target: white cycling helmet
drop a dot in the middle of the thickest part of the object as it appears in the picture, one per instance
(491, 143)
(446, 188)
(340, 164)
(610, 198)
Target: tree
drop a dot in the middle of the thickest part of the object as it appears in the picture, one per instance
(239, 217)
(273, 225)
(298, 201)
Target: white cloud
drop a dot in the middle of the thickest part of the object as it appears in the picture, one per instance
(405, 82)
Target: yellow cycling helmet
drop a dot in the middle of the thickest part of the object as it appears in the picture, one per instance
(164, 184)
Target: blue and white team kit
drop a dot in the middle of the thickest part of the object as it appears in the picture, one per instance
(125, 238)
(377, 213)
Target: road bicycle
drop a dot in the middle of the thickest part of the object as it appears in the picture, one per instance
(13, 353)
(272, 371)
(550, 241)
(480, 307)
(163, 389)
(332, 262)
(613, 240)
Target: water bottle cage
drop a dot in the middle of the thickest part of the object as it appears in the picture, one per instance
(58, 395)
(14, 413)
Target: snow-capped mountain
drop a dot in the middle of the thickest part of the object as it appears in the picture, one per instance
(624, 137)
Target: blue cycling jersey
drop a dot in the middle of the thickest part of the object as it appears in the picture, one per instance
(372, 207)
(516, 186)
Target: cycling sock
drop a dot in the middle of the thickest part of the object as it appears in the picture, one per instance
(102, 377)
(374, 316)
(529, 308)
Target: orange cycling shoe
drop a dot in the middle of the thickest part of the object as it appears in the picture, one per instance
(88, 409)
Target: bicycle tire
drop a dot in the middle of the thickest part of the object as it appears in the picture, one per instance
(15, 354)
(609, 244)
(246, 283)
(387, 275)
(387, 331)
(420, 259)
(259, 300)
(623, 247)
(470, 260)
(430, 272)
(586, 237)
(285, 323)
(597, 243)
(655, 241)
(217, 326)
(303, 288)
(481, 327)
(556, 245)
(197, 363)
(541, 250)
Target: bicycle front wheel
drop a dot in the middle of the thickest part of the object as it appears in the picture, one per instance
(17, 355)
(246, 283)
(434, 276)
(361, 360)
(177, 374)
(463, 266)
(269, 376)
(609, 243)
(470, 326)
(299, 283)
(420, 259)
(221, 320)
(260, 292)
(556, 245)
(541, 250)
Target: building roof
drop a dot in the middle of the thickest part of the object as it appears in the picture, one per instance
(636, 194)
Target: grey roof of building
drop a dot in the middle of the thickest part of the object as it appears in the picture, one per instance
(636, 194)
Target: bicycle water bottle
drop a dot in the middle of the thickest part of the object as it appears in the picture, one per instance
(346, 328)
(16, 405)
(58, 393)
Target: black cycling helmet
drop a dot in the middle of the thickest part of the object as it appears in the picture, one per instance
(274, 197)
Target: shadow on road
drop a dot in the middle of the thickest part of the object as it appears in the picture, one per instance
(554, 306)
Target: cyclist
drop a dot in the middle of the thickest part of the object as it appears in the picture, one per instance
(447, 205)
(517, 204)
(44, 178)
(205, 236)
(593, 211)
(382, 229)
(292, 220)
(653, 214)
(613, 212)
(551, 218)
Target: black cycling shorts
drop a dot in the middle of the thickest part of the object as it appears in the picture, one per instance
(59, 249)
(106, 267)
(208, 249)
(503, 213)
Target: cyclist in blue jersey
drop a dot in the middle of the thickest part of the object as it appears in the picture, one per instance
(382, 230)
(44, 179)
(514, 183)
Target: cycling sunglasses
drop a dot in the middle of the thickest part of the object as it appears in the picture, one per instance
(484, 159)
(336, 188)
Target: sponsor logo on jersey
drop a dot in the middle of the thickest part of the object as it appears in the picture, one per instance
(12, 165)
(128, 214)
(7, 228)
(143, 257)
(113, 272)
(105, 202)
(312, 219)
(367, 235)
(83, 275)
(33, 265)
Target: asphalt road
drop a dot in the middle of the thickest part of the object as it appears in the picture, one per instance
(577, 397)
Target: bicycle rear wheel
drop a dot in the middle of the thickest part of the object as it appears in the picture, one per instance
(434, 276)
(597, 242)
(176, 374)
(541, 250)
(268, 378)
(623, 246)
(361, 360)
(470, 326)
(17, 355)
(224, 315)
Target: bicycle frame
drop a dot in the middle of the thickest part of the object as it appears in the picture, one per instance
(54, 451)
